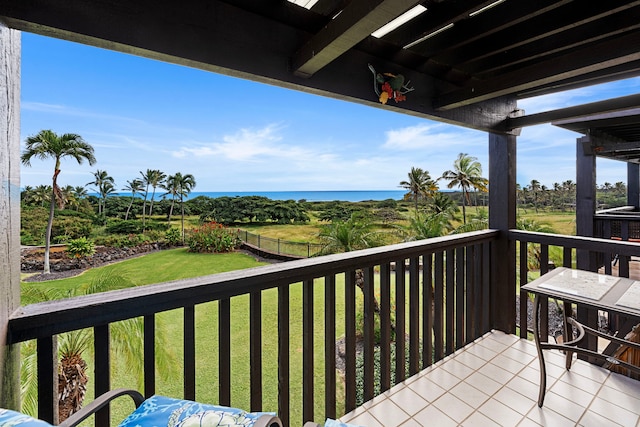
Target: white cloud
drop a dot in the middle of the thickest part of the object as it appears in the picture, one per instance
(433, 136)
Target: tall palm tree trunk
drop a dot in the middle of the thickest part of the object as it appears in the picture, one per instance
(72, 385)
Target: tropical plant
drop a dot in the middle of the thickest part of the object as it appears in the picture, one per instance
(47, 144)
(419, 185)
(425, 226)
(213, 237)
(105, 185)
(179, 186)
(81, 247)
(466, 174)
(151, 178)
(134, 186)
(126, 342)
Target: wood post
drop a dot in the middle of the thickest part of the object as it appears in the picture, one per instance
(502, 216)
(633, 185)
(9, 210)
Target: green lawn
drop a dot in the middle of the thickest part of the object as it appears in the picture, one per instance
(175, 264)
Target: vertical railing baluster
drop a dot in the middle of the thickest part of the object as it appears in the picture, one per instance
(460, 297)
(47, 379)
(224, 352)
(255, 349)
(427, 310)
(567, 253)
(438, 314)
(401, 326)
(102, 371)
(284, 335)
(330, 346)
(524, 298)
(414, 315)
(544, 301)
(623, 260)
(478, 301)
(385, 327)
(369, 326)
(470, 300)
(486, 288)
(189, 345)
(307, 350)
(450, 301)
(350, 340)
(149, 355)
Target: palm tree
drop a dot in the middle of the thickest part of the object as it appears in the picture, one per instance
(157, 178)
(419, 185)
(179, 186)
(134, 186)
(47, 144)
(466, 174)
(126, 341)
(154, 178)
(534, 187)
(105, 186)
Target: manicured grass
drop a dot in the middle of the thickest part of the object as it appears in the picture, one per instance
(176, 264)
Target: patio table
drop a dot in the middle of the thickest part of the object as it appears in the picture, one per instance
(617, 295)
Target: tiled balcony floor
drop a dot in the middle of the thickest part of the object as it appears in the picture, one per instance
(494, 382)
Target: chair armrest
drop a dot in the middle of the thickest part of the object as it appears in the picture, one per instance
(100, 402)
(268, 421)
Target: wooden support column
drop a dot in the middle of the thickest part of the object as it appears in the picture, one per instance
(9, 211)
(585, 197)
(633, 185)
(585, 209)
(502, 216)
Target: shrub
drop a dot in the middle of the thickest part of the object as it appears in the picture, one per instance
(82, 247)
(173, 237)
(212, 237)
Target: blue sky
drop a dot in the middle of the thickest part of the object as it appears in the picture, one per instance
(237, 135)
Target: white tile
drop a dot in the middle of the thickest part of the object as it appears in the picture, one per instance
(613, 412)
(515, 401)
(619, 398)
(458, 369)
(471, 360)
(409, 401)
(443, 378)
(389, 414)
(507, 339)
(411, 423)
(483, 383)
(496, 372)
(480, 420)
(524, 387)
(364, 419)
(453, 407)
(526, 346)
(528, 422)
(519, 356)
(580, 381)
(564, 406)
(624, 384)
(578, 395)
(427, 389)
(592, 419)
(493, 345)
(501, 413)
(508, 364)
(588, 370)
(469, 394)
(547, 417)
(482, 352)
(432, 416)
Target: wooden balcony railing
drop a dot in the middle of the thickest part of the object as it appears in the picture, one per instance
(584, 253)
(441, 290)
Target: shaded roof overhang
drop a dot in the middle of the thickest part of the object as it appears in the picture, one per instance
(612, 135)
(469, 61)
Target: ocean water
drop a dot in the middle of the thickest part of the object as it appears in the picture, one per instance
(310, 196)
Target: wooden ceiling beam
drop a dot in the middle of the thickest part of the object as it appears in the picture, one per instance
(502, 17)
(590, 59)
(356, 22)
(538, 28)
(575, 112)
